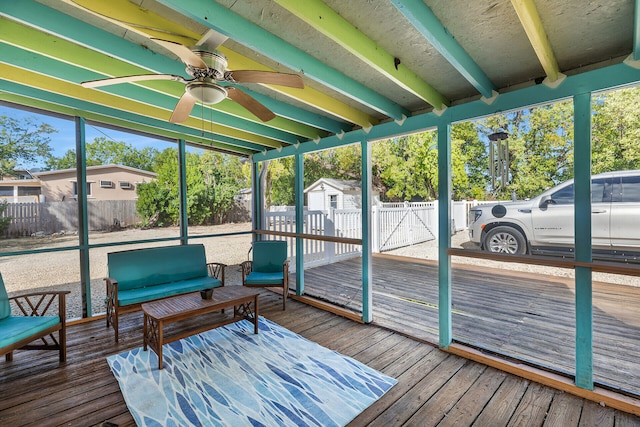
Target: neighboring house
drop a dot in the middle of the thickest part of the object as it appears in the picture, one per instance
(328, 193)
(19, 187)
(107, 182)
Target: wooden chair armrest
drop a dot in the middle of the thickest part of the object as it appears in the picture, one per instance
(110, 281)
(216, 269)
(39, 303)
(246, 268)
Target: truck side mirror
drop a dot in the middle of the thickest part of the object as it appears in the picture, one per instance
(545, 201)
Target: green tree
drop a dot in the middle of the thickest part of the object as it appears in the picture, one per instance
(219, 180)
(279, 189)
(23, 142)
(616, 130)
(103, 151)
(212, 179)
(408, 167)
(470, 162)
(158, 201)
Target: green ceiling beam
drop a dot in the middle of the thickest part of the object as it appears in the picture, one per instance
(530, 20)
(425, 21)
(51, 21)
(48, 101)
(221, 19)
(326, 21)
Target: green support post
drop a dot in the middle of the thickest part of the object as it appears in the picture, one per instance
(367, 294)
(83, 221)
(299, 189)
(182, 174)
(444, 233)
(582, 226)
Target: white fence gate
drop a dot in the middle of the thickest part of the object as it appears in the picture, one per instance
(394, 225)
(402, 225)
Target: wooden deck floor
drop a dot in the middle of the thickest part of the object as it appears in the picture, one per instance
(521, 315)
(434, 387)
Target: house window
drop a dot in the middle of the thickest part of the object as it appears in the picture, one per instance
(106, 184)
(6, 191)
(333, 201)
(28, 191)
(125, 184)
(75, 189)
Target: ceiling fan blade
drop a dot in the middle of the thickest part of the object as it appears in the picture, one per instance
(184, 53)
(183, 108)
(129, 79)
(251, 104)
(266, 77)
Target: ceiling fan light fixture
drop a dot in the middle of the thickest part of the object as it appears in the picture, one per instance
(206, 92)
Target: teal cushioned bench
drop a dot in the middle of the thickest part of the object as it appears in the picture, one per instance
(142, 275)
(33, 330)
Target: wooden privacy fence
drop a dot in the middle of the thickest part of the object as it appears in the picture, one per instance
(54, 217)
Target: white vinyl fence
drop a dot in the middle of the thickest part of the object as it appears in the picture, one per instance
(394, 225)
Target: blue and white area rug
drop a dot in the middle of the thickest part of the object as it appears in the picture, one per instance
(231, 377)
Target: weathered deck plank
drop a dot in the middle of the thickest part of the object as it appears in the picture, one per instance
(526, 316)
(433, 386)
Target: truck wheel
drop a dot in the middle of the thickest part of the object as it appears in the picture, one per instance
(505, 240)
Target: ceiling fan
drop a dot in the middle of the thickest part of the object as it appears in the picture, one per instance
(207, 67)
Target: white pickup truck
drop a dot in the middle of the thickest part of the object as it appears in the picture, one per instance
(544, 225)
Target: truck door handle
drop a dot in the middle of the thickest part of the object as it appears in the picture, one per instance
(599, 211)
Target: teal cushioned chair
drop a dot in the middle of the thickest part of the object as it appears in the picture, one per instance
(34, 329)
(269, 267)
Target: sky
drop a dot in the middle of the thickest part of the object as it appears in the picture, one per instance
(65, 138)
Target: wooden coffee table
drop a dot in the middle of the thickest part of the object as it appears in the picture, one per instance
(161, 312)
